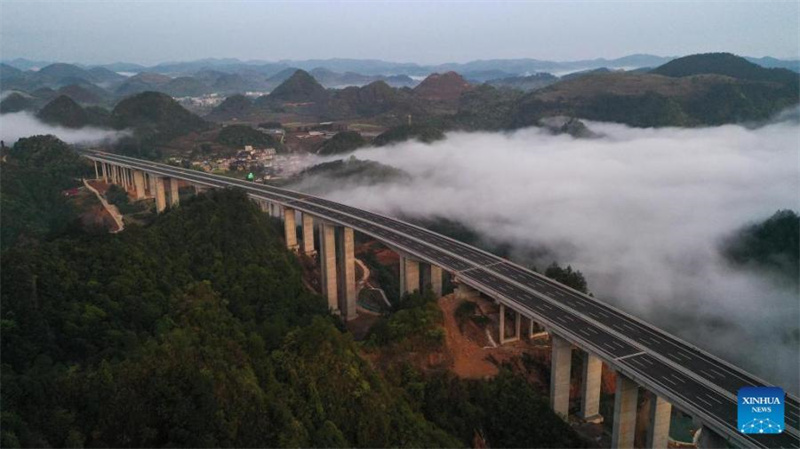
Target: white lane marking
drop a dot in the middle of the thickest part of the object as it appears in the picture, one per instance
(678, 378)
(670, 381)
(630, 355)
(714, 399)
(704, 401)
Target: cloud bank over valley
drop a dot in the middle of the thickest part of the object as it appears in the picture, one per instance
(642, 212)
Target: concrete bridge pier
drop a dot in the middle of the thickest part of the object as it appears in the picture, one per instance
(124, 176)
(275, 210)
(151, 181)
(409, 275)
(345, 248)
(432, 277)
(290, 229)
(327, 258)
(161, 198)
(502, 331)
(308, 235)
(660, 418)
(560, 367)
(138, 181)
(624, 425)
(337, 268)
(590, 389)
(174, 197)
(105, 171)
(96, 172)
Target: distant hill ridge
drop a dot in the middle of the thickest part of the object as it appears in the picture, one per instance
(156, 116)
(725, 64)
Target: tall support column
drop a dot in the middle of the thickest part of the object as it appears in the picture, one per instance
(560, 366)
(290, 229)
(160, 194)
(174, 198)
(501, 334)
(113, 170)
(409, 275)
(151, 179)
(660, 417)
(327, 259)
(103, 167)
(624, 413)
(590, 390)
(138, 181)
(436, 280)
(517, 322)
(308, 235)
(345, 246)
(432, 277)
(96, 172)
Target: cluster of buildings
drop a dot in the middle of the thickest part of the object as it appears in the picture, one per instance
(264, 163)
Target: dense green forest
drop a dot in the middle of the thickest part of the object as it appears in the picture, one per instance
(237, 136)
(197, 331)
(35, 172)
(342, 142)
(772, 245)
(352, 170)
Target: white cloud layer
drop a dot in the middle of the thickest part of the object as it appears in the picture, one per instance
(22, 124)
(640, 211)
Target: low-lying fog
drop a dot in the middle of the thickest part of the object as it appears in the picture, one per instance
(640, 212)
(22, 124)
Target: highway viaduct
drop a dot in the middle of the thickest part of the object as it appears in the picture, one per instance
(672, 371)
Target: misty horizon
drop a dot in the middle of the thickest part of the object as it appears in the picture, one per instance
(473, 31)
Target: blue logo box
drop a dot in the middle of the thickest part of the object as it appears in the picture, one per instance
(761, 410)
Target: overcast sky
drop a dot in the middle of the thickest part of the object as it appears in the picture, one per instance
(150, 32)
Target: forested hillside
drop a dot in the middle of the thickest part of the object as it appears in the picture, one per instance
(198, 331)
(34, 173)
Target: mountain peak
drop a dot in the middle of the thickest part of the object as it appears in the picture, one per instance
(446, 86)
(64, 111)
(301, 87)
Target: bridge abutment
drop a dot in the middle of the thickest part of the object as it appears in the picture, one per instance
(464, 291)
